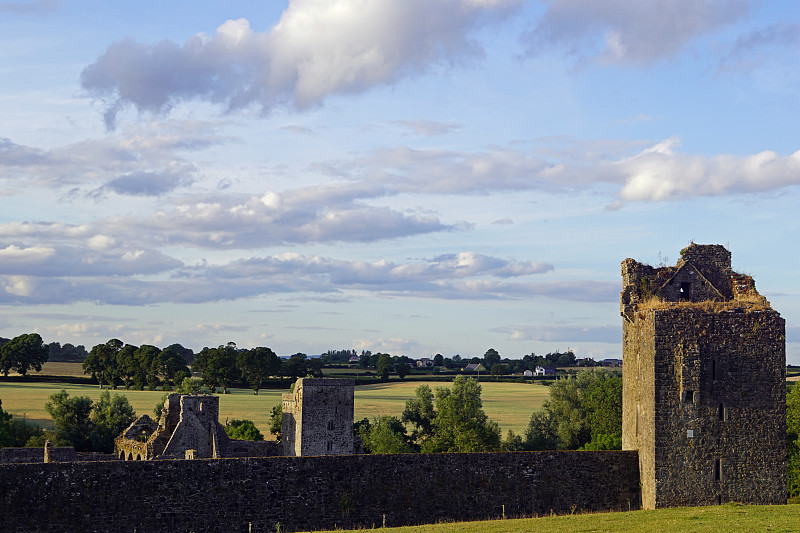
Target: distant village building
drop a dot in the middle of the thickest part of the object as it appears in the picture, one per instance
(611, 362)
(425, 362)
(545, 371)
(527, 373)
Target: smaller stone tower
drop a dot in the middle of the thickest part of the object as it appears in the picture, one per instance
(318, 418)
(704, 390)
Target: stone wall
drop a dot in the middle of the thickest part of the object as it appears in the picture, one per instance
(303, 493)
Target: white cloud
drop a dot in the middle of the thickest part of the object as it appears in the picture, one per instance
(629, 31)
(659, 173)
(318, 48)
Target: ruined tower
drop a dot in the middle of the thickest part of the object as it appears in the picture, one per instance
(704, 392)
(317, 418)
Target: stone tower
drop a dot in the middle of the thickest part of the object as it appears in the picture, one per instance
(317, 418)
(704, 391)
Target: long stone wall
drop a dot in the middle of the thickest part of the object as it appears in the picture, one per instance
(301, 493)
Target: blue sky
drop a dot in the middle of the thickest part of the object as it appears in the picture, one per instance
(417, 177)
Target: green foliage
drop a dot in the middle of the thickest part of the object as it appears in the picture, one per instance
(88, 426)
(386, 434)
(581, 411)
(384, 366)
(420, 413)
(102, 362)
(23, 353)
(276, 421)
(491, 358)
(451, 420)
(257, 365)
(192, 386)
(243, 430)
(110, 416)
(793, 440)
(218, 366)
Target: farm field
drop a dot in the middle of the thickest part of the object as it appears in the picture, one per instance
(509, 404)
(729, 518)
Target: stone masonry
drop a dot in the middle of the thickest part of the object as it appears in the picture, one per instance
(704, 399)
(317, 418)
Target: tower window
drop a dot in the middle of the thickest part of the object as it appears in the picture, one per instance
(688, 396)
(686, 289)
(721, 411)
(718, 470)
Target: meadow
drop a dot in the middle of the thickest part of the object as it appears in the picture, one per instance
(730, 518)
(509, 404)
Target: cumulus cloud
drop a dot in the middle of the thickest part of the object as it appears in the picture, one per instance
(626, 31)
(318, 48)
(660, 173)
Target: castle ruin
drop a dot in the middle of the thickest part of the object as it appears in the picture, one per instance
(317, 418)
(189, 428)
(704, 391)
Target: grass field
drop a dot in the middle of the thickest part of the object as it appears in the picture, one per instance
(509, 404)
(728, 518)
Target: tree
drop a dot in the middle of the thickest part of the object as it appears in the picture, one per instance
(420, 412)
(386, 434)
(147, 357)
(793, 440)
(128, 367)
(498, 370)
(72, 419)
(23, 353)
(110, 416)
(102, 362)
(88, 426)
(276, 421)
(243, 430)
(438, 360)
(490, 358)
(170, 364)
(402, 369)
(256, 365)
(460, 424)
(581, 412)
(218, 366)
(295, 367)
(16, 432)
(384, 366)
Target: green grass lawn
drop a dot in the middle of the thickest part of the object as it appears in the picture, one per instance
(727, 518)
(509, 404)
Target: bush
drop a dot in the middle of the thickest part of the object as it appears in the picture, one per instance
(243, 430)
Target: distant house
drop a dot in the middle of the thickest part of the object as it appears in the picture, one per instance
(612, 362)
(475, 367)
(354, 360)
(545, 371)
(425, 362)
(527, 373)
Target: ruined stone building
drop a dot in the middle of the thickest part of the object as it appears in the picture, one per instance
(189, 428)
(318, 418)
(704, 371)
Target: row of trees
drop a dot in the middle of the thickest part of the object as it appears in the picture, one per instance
(114, 363)
(584, 412)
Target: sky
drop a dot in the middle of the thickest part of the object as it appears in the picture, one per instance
(403, 176)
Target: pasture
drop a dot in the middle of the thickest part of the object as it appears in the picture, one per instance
(509, 404)
(730, 518)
